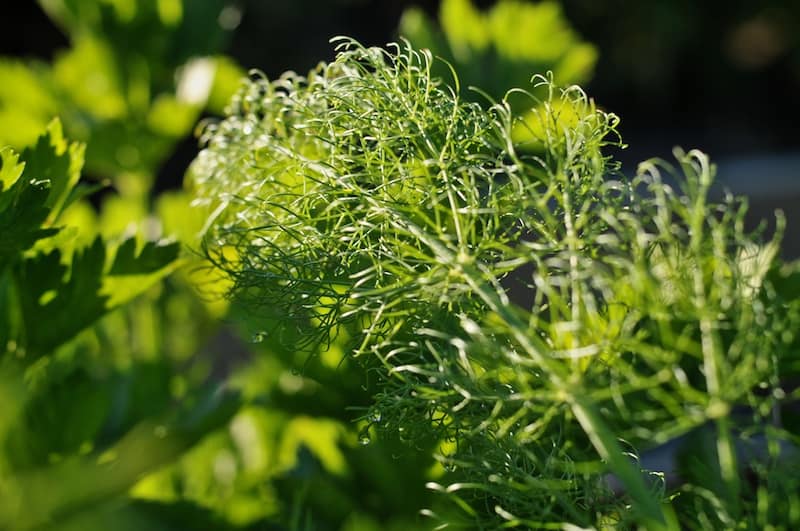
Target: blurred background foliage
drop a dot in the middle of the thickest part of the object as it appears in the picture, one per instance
(153, 412)
(485, 48)
(132, 82)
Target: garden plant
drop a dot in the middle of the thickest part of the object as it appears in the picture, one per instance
(447, 305)
(546, 322)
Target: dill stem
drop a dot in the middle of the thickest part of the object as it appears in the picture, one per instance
(713, 358)
(602, 438)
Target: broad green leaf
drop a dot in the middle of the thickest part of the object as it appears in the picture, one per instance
(79, 483)
(27, 102)
(54, 160)
(90, 77)
(514, 24)
(23, 85)
(121, 215)
(465, 28)
(179, 218)
(22, 214)
(20, 127)
(320, 436)
(227, 80)
(133, 273)
(418, 28)
(502, 47)
(64, 287)
(34, 199)
(576, 64)
(170, 11)
(171, 117)
(14, 396)
(10, 168)
(68, 299)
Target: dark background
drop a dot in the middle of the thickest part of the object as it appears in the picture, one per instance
(724, 78)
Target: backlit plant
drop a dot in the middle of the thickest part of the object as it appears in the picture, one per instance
(497, 49)
(545, 318)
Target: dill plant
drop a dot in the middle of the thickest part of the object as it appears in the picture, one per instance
(546, 318)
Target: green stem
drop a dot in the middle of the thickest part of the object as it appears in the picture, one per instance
(600, 435)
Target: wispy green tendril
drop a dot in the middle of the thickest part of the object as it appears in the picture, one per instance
(523, 302)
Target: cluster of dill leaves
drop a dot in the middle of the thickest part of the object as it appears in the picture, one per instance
(546, 318)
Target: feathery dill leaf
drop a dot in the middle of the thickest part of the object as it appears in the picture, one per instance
(523, 302)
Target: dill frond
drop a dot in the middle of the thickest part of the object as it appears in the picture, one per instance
(542, 315)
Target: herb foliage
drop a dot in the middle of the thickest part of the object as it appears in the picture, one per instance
(53, 288)
(542, 316)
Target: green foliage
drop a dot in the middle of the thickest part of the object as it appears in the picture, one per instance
(91, 369)
(501, 48)
(38, 286)
(540, 318)
(527, 322)
(59, 454)
(118, 386)
(133, 83)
